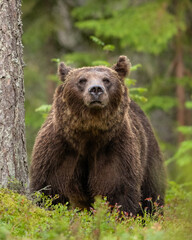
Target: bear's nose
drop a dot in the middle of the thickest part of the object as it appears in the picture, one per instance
(96, 90)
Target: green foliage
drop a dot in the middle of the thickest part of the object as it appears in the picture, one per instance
(183, 155)
(37, 35)
(44, 110)
(136, 94)
(34, 81)
(177, 192)
(100, 63)
(146, 27)
(189, 104)
(94, 57)
(39, 25)
(101, 8)
(39, 28)
(80, 59)
(160, 102)
(97, 40)
(108, 47)
(56, 60)
(129, 82)
(135, 67)
(21, 219)
(186, 130)
(20, 216)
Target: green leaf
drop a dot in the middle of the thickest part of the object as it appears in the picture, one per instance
(57, 60)
(129, 82)
(187, 130)
(135, 67)
(184, 153)
(162, 102)
(100, 63)
(43, 108)
(139, 90)
(109, 47)
(188, 104)
(80, 59)
(138, 98)
(97, 41)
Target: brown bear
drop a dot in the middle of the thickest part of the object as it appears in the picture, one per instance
(97, 141)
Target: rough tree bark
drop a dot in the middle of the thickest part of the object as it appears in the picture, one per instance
(13, 157)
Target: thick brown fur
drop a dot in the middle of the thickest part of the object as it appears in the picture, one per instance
(107, 150)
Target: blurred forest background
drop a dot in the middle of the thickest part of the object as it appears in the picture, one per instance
(157, 35)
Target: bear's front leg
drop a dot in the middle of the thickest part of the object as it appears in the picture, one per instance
(48, 153)
(119, 186)
(126, 197)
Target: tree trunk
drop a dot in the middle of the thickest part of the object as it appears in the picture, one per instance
(13, 157)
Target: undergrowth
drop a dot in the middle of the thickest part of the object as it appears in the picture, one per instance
(21, 218)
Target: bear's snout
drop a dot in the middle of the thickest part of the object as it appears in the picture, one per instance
(96, 91)
(96, 100)
(95, 95)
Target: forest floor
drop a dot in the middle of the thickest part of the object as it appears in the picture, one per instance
(22, 219)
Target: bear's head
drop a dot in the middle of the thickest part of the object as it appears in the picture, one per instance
(94, 88)
(93, 96)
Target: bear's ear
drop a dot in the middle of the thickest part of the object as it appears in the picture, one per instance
(63, 70)
(122, 67)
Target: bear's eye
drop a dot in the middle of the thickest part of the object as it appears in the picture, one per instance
(82, 81)
(106, 80)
